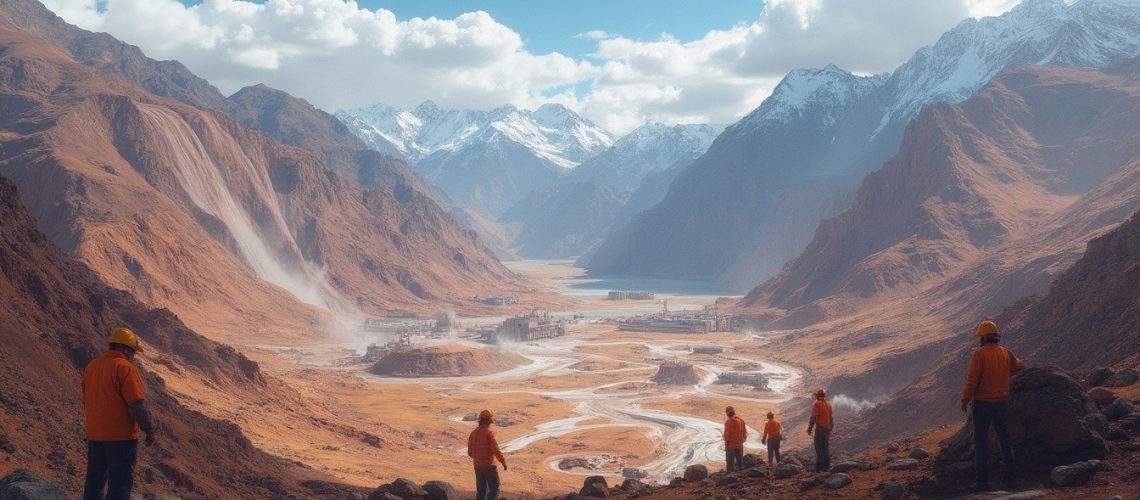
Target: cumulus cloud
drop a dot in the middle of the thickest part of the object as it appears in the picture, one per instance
(338, 55)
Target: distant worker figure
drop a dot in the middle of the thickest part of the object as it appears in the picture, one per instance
(821, 420)
(114, 410)
(987, 384)
(483, 447)
(735, 433)
(772, 435)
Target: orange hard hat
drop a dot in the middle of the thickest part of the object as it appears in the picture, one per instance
(986, 328)
(820, 393)
(487, 415)
(124, 336)
(729, 409)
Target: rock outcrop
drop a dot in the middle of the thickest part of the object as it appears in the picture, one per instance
(1051, 422)
(24, 485)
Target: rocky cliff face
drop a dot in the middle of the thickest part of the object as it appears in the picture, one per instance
(753, 200)
(56, 317)
(191, 211)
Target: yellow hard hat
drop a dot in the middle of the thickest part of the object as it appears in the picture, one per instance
(986, 327)
(124, 336)
(487, 415)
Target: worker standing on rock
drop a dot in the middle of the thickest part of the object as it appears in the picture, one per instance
(821, 421)
(772, 436)
(987, 385)
(483, 448)
(735, 433)
(114, 410)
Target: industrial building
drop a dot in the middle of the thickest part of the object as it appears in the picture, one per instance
(622, 295)
(534, 326)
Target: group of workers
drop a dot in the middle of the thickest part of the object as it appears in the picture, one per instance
(116, 417)
(819, 426)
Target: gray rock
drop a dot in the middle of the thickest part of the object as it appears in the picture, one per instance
(787, 470)
(838, 480)
(1051, 421)
(758, 472)
(1023, 495)
(694, 473)
(890, 490)
(1123, 378)
(633, 473)
(21, 484)
(919, 454)
(847, 466)
(753, 460)
(1074, 474)
(441, 490)
(595, 486)
(401, 488)
(808, 483)
(1118, 409)
(633, 486)
(903, 464)
(1097, 376)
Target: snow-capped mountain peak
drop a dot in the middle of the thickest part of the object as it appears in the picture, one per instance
(554, 133)
(829, 89)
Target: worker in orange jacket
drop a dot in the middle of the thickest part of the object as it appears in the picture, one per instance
(772, 435)
(115, 416)
(483, 448)
(987, 385)
(735, 433)
(822, 422)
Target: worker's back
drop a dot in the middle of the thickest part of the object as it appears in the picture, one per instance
(483, 447)
(821, 410)
(110, 385)
(735, 431)
(773, 429)
(988, 377)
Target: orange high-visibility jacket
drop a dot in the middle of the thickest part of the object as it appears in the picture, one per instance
(988, 377)
(735, 432)
(110, 385)
(772, 429)
(483, 447)
(821, 411)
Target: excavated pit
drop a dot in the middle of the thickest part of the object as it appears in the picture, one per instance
(446, 361)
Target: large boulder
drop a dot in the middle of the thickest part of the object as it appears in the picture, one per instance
(1051, 420)
(1098, 375)
(440, 490)
(632, 485)
(595, 486)
(400, 488)
(694, 473)
(24, 485)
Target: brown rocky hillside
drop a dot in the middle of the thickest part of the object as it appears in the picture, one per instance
(56, 316)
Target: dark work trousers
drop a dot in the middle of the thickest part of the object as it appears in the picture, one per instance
(110, 464)
(773, 450)
(822, 449)
(985, 414)
(486, 483)
(734, 459)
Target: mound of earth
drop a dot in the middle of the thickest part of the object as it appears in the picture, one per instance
(446, 361)
(677, 374)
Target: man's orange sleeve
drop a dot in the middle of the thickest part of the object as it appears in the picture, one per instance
(973, 376)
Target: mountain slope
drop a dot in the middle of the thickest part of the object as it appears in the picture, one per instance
(224, 226)
(967, 178)
(56, 316)
(653, 147)
(564, 220)
(802, 152)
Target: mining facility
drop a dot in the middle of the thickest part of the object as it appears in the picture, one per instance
(701, 323)
(534, 326)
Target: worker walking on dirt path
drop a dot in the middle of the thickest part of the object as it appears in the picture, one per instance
(822, 422)
(772, 435)
(115, 416)
(987, 385)
(735, 433)
(483, 448)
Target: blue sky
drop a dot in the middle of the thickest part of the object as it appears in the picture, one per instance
(553, 25)
(720, 60)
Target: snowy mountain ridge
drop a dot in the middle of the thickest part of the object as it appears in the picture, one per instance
(553, 132)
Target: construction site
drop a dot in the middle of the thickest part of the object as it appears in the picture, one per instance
(536, 325)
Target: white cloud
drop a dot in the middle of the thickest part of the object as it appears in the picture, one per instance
(338, 55)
